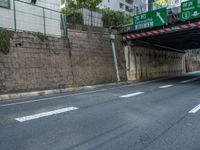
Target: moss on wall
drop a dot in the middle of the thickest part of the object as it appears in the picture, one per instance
(5, 37)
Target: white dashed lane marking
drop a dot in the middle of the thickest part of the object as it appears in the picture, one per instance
(165, 86)
(45, 114)
(132, 94)
(195, 109)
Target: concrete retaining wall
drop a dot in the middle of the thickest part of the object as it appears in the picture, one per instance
(193, 60)
(146, 62)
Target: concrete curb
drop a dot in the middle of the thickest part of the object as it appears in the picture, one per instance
(55, 91)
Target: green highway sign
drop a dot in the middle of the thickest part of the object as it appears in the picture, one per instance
(150, 19)
(190, 10)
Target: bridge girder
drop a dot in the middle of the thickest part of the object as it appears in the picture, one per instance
(180, 37)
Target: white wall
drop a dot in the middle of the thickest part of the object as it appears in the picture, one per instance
(115, 5)
(30, 17)
(140, 6)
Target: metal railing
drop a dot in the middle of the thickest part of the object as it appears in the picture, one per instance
(23, 16)
(84, 17)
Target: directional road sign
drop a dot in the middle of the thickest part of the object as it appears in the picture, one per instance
(150, 19)
(190, 10)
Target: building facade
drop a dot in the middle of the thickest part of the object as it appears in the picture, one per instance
(125, 6)
(31, 15)
(140, 6)
(129, 7)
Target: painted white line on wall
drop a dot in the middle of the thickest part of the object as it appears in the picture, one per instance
(190, 80)
(195, 109)
(165, 86)
(45, 114)
(132, 94)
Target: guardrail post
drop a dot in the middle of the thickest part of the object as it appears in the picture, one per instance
(44, 21)
(66, 23)
(15, 21)
(64, 18)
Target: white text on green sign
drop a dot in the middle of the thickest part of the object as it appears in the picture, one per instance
(190, 10)
(150, 19)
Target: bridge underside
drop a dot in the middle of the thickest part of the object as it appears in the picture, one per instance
(177, 38)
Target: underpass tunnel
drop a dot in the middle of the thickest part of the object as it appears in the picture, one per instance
(169, 54)
(146, 62)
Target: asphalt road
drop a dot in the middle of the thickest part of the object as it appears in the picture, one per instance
(162, 114)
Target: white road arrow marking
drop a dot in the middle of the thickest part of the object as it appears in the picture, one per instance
(159, 16)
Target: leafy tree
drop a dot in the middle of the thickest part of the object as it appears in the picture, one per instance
(91, 4)
(110, 17)
(115, 18)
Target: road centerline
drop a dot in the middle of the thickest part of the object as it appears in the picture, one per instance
(45, 114)
(165, 86)
(195, 109)
(132, 95)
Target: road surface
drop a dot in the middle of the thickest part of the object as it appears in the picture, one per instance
(161, 114)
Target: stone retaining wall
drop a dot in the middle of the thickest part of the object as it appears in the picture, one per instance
(39, 63)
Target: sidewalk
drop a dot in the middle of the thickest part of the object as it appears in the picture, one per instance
(57, 91)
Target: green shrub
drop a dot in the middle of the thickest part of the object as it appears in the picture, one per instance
(73, 15)
(128, 19)
(115, 18)
(5, 37)
(75, 18)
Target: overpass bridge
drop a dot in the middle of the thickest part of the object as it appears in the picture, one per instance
(176, 30)
(161, 50)
(178, 37)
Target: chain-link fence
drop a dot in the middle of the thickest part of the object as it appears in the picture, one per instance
(96, 18)
(23, 16)
(83, 18)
